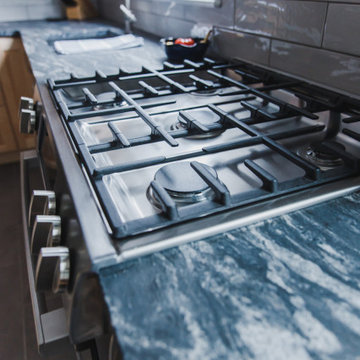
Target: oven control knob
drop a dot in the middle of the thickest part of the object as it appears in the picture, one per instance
(53, 269)
(43, 202)
(26, 103)
(46, 232)
(27, 121)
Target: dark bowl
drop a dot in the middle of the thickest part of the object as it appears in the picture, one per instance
(178, 52)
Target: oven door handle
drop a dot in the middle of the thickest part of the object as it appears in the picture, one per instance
(50, 326)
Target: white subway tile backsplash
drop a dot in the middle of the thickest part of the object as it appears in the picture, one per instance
(343, 28)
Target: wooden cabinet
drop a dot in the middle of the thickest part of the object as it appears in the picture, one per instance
(16, 80)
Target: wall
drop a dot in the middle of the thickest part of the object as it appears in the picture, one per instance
(14, 10)
(315, 40)
(168, 18)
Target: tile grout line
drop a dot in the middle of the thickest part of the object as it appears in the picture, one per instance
(324, 26)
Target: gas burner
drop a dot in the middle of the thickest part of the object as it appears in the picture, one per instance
(319, 154)
(182, 183)
(206, 118)
(109, 101)
(104, 106)
(206, 92)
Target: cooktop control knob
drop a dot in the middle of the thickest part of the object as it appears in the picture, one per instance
(26, 103)
(27, 121)
(53, 269)
(43, 202)
(46, 232)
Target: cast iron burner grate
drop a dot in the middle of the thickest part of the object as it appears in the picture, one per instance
(240, 90)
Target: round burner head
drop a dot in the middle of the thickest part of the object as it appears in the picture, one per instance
(320, 154)
(182, 183)
(181, 178)
(321, 149)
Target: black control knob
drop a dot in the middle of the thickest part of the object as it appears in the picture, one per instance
(43, 202)
(53, 269)
(26, 103)
(46, 232)
(27, 121)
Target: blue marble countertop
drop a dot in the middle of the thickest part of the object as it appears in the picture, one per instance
(37, 37)
(286, 288)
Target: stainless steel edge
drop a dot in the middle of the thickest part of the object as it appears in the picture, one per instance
(95, 234)
(203, 228)
(25, 156)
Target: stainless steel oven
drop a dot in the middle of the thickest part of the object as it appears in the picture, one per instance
(69, 312)
(133, 163)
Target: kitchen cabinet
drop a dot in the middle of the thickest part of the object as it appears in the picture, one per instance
(16, 80)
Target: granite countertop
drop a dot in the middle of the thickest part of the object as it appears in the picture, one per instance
(285, 288)
(46, 63)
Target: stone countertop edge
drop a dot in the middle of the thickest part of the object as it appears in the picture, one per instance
(284, 288)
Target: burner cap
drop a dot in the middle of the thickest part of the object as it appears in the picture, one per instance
(206, 118)
(181, 179)
(182, 183)
(320, 154)
(321, 149)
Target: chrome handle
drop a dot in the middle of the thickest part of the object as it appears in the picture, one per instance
(46, 232)
(53, 269)
(27, 121)
(26, 103)
(43, 202)
(62, 272)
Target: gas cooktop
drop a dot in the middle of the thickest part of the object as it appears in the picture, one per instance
(167, 146)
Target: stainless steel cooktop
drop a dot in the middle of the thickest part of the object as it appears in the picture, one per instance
(165, 147)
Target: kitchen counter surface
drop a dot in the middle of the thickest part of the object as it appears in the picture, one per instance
(37, 37)
(285, 288)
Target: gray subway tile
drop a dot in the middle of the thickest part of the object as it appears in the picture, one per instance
(13, 13)
(110, 10)
(223, 16)
(233, 44)
(165, 8)
(163, 27)
(337, 71)
(343, 28)
(345, 1)
(256, 16)
(51, 10)
(300, 21)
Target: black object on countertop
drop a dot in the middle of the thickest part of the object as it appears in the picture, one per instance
(179, 52)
